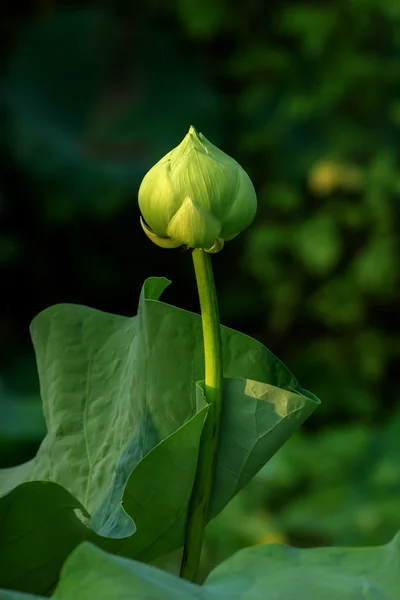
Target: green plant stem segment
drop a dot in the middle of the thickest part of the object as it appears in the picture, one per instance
(198, 507)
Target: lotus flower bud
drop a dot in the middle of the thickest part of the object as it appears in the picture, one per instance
(196, 196)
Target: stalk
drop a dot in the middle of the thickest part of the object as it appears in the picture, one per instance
(198, 506)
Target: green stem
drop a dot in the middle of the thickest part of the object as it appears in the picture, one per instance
(198, 508)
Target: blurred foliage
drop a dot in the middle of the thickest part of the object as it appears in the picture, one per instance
(306, 96)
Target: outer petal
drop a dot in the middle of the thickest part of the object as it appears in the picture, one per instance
(158, 200)
(160, 241)
(211, 183)
(216, 247)
(243, 208)
(217, 153)
(194, 226)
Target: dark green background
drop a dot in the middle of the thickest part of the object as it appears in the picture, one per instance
(306, 96)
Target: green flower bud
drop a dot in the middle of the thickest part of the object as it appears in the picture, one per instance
(196, 196)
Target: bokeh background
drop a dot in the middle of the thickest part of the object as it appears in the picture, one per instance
(306, 96)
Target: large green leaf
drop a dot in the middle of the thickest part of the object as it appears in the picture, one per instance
(287, 573)
(124, 418)
(271, 572)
